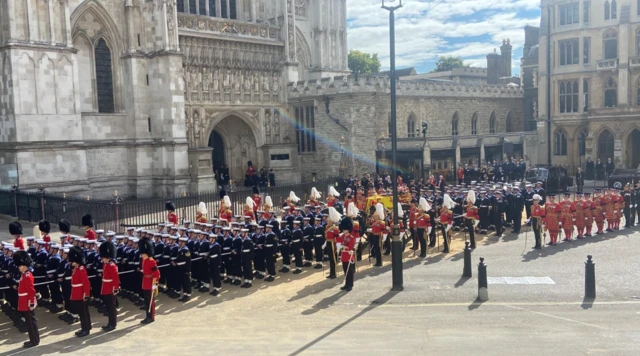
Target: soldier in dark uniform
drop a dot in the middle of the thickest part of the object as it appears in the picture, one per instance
(174, 276)
(183, 268)
(458, 219)
(285, 246)
(40, 272)
(497, 208)
(247, 259)
(215, 259)
(518, 202)
(227, 242)
(527, 195)
(540, 191)
(628, 202)
(507, 197)
(203, 263)
(318, 242)
(270, 249)
(52, 265)
(194, 247)
(432, 218)
(64, 278)
(236, 257)
(297, 237)
(307, 242)
(483, 204)
(259, 239)
(163, 263)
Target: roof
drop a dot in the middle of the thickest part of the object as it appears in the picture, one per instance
(402, 72)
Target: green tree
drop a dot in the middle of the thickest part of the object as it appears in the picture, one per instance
(449, 62)
(363, 63)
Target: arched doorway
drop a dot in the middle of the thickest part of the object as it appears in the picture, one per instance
(217, 155)
(605, 146)
(633, 149)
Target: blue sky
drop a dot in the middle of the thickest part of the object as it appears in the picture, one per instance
(427, 29)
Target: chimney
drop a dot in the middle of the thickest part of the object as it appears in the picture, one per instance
(493, 67)
(505, 58)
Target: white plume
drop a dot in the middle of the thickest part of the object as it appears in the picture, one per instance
(352, 211)
(268, 201)
(227, 201)
(400, 211)
(250, 202)
(333, 191)
(471, 196)
(424, 205)
(315, 194)
(380, 211)
(293, 197)
(448, 202)
(334, 215)
(202, 209)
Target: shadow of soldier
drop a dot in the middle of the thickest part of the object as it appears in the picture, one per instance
(564, 246)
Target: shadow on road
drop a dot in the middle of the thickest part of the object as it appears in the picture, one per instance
(475, 305)
(563, 246)
(587, 303)
(461, 282)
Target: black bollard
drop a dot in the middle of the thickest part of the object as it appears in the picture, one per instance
(483, 292)
(589, 278)
(466, 271)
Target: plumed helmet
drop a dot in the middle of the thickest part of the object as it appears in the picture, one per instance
(333, 191)
(256, 190)
(268, 201)
(315, 194)
(76, 254)
(352, 211)
(346, 224)
(87, 220)
(380, 211)
(64, 226)
(448, 202)
(202, 208)
(250, 203)
(424, 205)
(146, 246)
(22, 258)
(400, 211)
(293, 197)
(108, 250)
(15, 228)
(536, 197)
(227, 201)
(170, 206)
(334, 215)
(44, 226)
(471, 196)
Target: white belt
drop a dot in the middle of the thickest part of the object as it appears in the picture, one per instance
(180, 263)
(156, 256)
(197, 253)
(246, 250)
(67, 278)
(166, 256)
(99, 270)
(319, 236)
(131, 263)
(107, 280)
(269, 245)
(76, 285)
(173, 258)
(226, 248)
(298, 240)
(214, 256)
(484, 206)
(22, 294)
(61, 275)
(52, 271)
(205, 254)
(228, 253)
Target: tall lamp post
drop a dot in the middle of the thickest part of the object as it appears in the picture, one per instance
(396, 243)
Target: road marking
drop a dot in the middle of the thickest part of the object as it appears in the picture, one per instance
(556, 317)
(520, 280)
(426, 305)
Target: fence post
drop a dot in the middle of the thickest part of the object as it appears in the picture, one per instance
(41, 193)
(116, 201)
(14, 193)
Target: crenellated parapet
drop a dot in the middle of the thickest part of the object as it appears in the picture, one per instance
(368, 84)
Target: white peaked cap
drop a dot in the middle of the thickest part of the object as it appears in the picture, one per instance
(202, 209)
(446, 201)
(400, 211)
(250, 202)
(334, 215)
(227, 201)
(268, 201)
(471, 196)
(380, 211)
(537, 197)
(293, 197)
(333, 191)
(315, 194)
(352, 211)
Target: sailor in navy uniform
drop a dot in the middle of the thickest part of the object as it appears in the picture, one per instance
(318, 242)
(227, 242)
(52, 265)
(307, 242)
(296, 246)
(247, 258)
(215, 259)
(285, 246)
(236, 257)
(270, 248)
(183, 265)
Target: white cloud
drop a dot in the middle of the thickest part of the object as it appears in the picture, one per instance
(428, 29)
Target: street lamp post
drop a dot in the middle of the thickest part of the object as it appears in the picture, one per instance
(396, 243)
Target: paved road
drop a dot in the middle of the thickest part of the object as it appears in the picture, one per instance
(436, 314)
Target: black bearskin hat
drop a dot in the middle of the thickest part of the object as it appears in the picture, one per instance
(346, 224)
(64, 226)
(22, 258)
(108, 249)
(170, 206)
(15, 228)
(256, 190)
(87, 220)
(44, 226)
(250, 164)
(76, 254)
(145, 246)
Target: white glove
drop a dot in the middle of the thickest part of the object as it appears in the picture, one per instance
(527, 221)
(339, 246)
(428, 230)
(384, 237)
(369, 230)
(476, 224)
(447, 228)
(154, 287)
(415, 222)
(324, 245)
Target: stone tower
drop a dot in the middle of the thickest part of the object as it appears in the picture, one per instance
(493, 67)
(505, 58)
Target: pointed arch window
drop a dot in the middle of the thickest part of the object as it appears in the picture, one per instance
(607, 10)
(454, 125)
(614, 9)
(509, 123)
(474, 124)
(492, 123)
(104, 77)
(560, 143)
(610, 39)
(582, 143)
(610, 93)
(411, 126)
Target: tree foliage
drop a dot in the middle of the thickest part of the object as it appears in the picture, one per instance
(447, 63)
(363, 63)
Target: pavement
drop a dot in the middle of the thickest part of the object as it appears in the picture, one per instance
(536, 306)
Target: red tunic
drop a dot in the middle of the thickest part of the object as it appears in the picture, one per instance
(172, 218)
(581, 208)
(110, 278)
(412, 217)
(538, 211)
(80, 285)
(446, 218)
(472, 212)
(46, 238)
(567, 208)
(348, 243)
(226, 214)
(26, 292)
(608, 207)
(150, 273)
(378, 227)
(552, 212)
(331, 201)
(90, 234)
(598, 209)
(618, 203)
(332, 233)
(423, 220)
(248, 212)
(19, 243)
(460, 173)
(201, 218)
(588, 212)
(258, 202)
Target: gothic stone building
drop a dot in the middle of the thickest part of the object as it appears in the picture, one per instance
(134, 96)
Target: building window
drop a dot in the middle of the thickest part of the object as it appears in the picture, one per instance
(585, 95)
(305, 129)
(586, 50)
(582, 143)
(569, 51)
(492, 123)
(560, 143)
(192, 7)
(610, 44)
(638, 41)
(614, 9)
(509, 123)
(638, 7)
(202, 7)
(454, 125)
(610, 93)
(568, 96)
(180, 5)
(474, 124)
(569, 14)
(607, 10)
(104, 77)
(586, 11)
(212, 8)
(411, 126)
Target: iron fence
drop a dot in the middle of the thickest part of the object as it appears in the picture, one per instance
(116, 214)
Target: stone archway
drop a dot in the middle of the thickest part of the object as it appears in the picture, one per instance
(239, 145)
(633, 149)
(218, 158)
(605, 145)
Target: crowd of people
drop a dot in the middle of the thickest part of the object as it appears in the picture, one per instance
(100, 268)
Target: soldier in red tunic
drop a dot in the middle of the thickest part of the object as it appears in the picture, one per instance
(15, 229)
(597, 210)
(618, 203)
(249, 211)
(537, 218)
(423, 225)
(257, 199)
(225, 209)
(332, 197)
(378, 227)
(172, 217)
(87, 223)
(346, 244)
(472, 217)
(80, 289)
(581, 207)
(150, 278)
(332, 232)
(567, 209)
(27, 301)
(588, 214)
(45, 228)
(110, 282)
(552, 218)
(201, 214)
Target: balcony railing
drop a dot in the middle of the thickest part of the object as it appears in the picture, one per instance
(608, 64)
(228, 27)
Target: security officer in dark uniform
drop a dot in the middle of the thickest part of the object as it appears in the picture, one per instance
(540, 191)
(527, 195)
(183, 268)
(215, 260)
(518, 203)
(483, 203)
(628, 202)
(307, 242)
(285, 246)
(297, 237)
(270, 249)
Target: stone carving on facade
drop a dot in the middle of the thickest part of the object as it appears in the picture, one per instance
(196, 125)
(89, 25)
(276, 126)
(301, 8)
(267, 125)
(170, 23)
